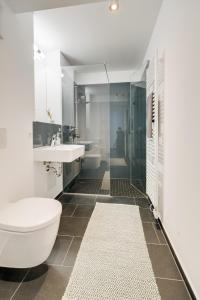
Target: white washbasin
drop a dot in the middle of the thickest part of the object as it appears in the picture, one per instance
(61, 153)
(84, 142)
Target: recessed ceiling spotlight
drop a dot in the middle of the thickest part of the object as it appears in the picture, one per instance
(113, 5)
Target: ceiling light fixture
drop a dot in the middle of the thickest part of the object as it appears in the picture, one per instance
(113, 5)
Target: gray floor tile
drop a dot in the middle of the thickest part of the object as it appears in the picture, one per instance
(160, 234)
(124, 200)
(146, 215)
(104, 199)
(149, 233)
(59, 251)
(73, 251)
(50, 281)
(73, 226)
(172, 290)
(43, 284)
(142, 202)
(10, 279)
(68, 209)
(116, 200)
(86, 186)
(122, 187)
(78, 199)
(83, 211)
(163, 262)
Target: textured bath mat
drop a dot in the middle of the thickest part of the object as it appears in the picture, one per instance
(113, 261)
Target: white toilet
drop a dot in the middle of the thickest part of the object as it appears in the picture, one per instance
(28, 230)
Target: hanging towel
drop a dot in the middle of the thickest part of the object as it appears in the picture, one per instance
(149, 115)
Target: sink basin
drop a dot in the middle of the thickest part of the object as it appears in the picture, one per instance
(88, 144)
(84, 142)
(61, 153)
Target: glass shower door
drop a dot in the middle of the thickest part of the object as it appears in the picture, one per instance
(138, 135)
(86, 121)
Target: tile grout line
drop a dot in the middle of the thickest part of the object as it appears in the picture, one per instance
(156, 233)
(148, 222)
(179, 270)
(182, 279)
(71, 236)
(175, 261)
(156, 244)
(165, 241)
(59, 265)
(76, 205)
(177, 280)
(95, 199)
(160, 229)
(187, 289)
(75, 217)
(83, 204)
(171, 279)
(105, 195)
(67, 251)
(13, 295)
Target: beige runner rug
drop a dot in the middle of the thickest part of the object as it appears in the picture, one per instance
(113, 260)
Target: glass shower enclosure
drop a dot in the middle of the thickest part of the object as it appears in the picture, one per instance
(109, 119)
(128, 139)
(138, 135)
(86, 121)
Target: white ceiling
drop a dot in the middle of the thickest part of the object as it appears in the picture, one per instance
(90, 34)
(32, 5)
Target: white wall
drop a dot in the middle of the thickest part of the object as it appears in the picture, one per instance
(102, 78)
(16, 105)
(19, 176)
(177, 33)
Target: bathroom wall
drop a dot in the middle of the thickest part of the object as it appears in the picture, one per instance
(20, 176)
(100, 77)
(16, 105)
(176, 33)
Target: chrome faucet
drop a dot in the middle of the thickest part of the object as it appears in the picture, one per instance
(73, 133)
(53, 140)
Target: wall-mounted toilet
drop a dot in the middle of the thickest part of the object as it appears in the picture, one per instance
(28, 230)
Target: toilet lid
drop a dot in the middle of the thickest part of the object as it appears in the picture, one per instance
(29, 214)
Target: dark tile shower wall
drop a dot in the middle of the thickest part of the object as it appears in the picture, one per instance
(43, 132)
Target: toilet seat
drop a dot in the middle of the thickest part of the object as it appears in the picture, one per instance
(29, 214)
